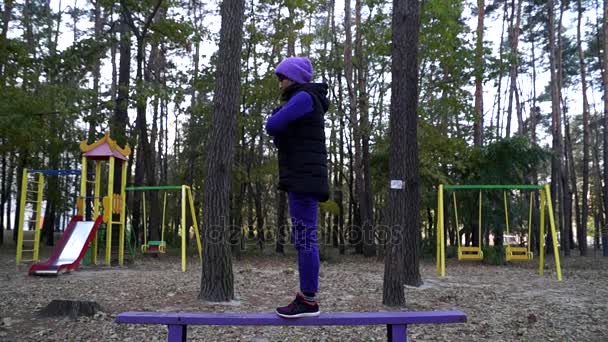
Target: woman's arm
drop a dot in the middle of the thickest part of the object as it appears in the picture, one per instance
(297, 107)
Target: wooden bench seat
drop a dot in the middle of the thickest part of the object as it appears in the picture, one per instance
(396, 322)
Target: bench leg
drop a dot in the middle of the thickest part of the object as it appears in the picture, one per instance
(177, 333)
(396, 332)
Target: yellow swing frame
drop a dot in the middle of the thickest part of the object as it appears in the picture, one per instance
(468, 252)
(186, 200)
(162, 244)
(517, 253)
(545, 207)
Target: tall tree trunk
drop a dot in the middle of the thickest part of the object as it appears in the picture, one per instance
(535, 116)
(565, 209)
(9, 189)
(291, 37)
(534, 110)
(364, 130)
(120, 119)
(556, 172)
(236, 197)
(574, 187)
(3, 194)
(514, 65)
(141, 126)
(114, 45)
(22, 164)
(217, 278)
(401, 261)
(354, 122)
(605, 87)
(566, 237)
(6, 18)
(341, 220)
(500, 72)
(582, 228)
(340, 177)
(259, 215)
(53, 191)
(94, 114)
(259, 189)
(479, 71)
(281, 221)
(598, 195)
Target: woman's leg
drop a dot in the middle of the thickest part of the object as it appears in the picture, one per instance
(303, 209)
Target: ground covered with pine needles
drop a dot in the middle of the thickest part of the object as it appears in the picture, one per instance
(503, 303)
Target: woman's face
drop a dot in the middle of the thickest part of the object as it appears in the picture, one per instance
(284, 82)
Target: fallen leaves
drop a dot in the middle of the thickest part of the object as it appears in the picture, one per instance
(509, 303)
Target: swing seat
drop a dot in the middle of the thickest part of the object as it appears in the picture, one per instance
(514, 253)
(154, 247)
(470, 253)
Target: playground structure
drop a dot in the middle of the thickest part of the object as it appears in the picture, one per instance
(79, 233)
(37, 192)
(106, 149)
(155, 246)
(512, 253)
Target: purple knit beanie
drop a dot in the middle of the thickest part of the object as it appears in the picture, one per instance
(297, 69)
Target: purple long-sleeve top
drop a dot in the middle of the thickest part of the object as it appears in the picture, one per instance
(298, 106)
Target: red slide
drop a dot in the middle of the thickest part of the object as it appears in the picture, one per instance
(71, 247)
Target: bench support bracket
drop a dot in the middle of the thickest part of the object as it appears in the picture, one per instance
(177, 333)
(396, 332)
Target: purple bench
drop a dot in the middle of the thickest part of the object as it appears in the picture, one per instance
(396, 322)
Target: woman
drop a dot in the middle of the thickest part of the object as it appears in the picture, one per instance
(298, 129)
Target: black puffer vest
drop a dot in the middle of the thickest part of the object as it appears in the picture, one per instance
(302, 150)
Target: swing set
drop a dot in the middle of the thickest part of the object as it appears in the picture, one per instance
(512, 253)
(160, 246)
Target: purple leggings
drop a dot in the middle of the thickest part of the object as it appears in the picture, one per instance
(303, 209)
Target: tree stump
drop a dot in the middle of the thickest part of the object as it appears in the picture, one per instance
(72, 308)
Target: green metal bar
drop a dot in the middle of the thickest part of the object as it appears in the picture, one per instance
(497, 186)
(159, 187)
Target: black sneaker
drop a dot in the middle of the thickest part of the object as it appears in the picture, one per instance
(299, 307)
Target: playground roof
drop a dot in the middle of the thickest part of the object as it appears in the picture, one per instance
(104, 148)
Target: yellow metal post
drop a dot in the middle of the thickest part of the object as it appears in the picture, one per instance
(184, 230)
(558, 268)
(110, 196)
(541, 240)
(195, 223)
(123, 196)
(22, 203)
(96, 207)
(83, 184)
(38, 227)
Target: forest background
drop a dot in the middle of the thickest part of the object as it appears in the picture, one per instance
(510, 91)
